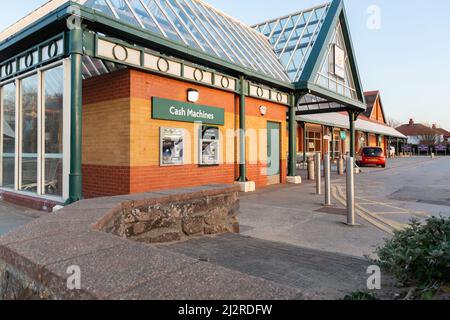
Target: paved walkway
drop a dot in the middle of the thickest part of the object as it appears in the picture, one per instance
(318, 275)
(296, 215)
(12, 217)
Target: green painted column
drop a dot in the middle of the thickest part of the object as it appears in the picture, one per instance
(76, 88)
(303, 124)
(352, 117)
(332, 150)
(292, 167)
(242, 143)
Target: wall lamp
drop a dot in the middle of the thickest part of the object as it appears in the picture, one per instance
(193, 95)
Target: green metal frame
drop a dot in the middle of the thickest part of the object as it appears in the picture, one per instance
(82, 41)
(335, 14)
(242, 143)
(76, 101)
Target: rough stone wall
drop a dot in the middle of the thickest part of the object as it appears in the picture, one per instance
(177, 219)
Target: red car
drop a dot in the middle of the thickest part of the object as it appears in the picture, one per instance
(371, 156)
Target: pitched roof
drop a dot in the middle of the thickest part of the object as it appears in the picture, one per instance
(371, 97)
(416, 129)
(292, 37)
(444, 132)
(192, 23)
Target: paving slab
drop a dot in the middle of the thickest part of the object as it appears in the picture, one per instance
(317, 274)
(205, 281)
(120, 268)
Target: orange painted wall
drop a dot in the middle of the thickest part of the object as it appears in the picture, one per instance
(121, 140)
(377, 113)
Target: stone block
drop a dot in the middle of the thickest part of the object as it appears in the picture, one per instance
(193, 225)
(248, 186)
(294, 180)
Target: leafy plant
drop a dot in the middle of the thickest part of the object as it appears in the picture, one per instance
(419, 255)
(359, 295)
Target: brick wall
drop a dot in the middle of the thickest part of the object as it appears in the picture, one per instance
(121, 141)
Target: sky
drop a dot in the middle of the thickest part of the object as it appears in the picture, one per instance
(405, 54)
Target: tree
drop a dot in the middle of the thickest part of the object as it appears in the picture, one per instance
(394, 123)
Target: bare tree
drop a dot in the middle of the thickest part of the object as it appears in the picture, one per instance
(394, 123)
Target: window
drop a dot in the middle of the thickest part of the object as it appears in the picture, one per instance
(8, 118)
(336, 145)
(53, 110)
(32, 129)
(373, 152)
(29, 134)
(313, 141)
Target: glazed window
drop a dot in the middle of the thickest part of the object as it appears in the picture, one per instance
(29, 134)
(53, 106)
(373, 152)
(8, 122)
(313, 141)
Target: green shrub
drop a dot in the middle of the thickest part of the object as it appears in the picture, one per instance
(363, 296)
(420, 254)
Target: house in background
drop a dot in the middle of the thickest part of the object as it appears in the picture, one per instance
(419, 133)
(445, 135)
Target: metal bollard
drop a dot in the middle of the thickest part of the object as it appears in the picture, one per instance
(318, 173)
(310, 169)
(327, 167)
(340, 166)
(350, 192)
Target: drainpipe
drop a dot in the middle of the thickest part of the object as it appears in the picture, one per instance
(242, 144)
(292, 168)
(76, 87)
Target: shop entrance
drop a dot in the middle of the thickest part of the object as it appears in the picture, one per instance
(273, 153)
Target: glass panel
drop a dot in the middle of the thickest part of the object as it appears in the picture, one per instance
(53, 104)
(100, 5)
(143, 15)
(124, 12)
(9, 135)
(178, 23)
(162, 20)
(29, 100)
(201, 26)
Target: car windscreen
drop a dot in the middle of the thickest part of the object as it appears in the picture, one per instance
(373, 152)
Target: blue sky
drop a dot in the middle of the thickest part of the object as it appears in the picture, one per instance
(407, 58)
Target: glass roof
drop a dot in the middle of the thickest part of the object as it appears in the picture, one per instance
(196, 24)
(292, 37)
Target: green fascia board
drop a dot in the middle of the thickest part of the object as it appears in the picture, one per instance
(352, 56)
(311, 87)
(147, 39)
(335, 13)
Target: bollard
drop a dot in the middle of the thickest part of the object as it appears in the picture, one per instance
(340, 166)
(318, 174)
(327, 170)
(310, 168)
(350, 192)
